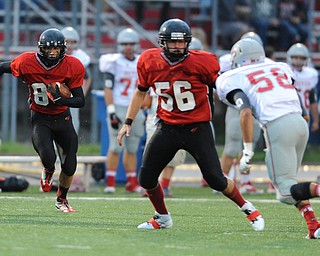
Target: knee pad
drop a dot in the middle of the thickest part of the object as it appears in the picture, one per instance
(216, 183)
(147, 181)
(301, 191)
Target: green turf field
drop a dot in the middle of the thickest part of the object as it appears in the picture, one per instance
(204, 224)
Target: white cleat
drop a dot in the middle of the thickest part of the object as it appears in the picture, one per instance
(110, 190)
(253, 215)
(157, 221)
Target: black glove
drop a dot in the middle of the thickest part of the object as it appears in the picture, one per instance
(114, 120)
(53, 92)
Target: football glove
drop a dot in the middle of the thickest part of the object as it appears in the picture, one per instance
(114, 121)
(53, 92)
(245, 165)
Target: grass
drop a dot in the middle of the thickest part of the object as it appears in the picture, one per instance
(204, 224)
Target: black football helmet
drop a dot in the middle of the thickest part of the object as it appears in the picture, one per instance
(171, 30)
(48, 38)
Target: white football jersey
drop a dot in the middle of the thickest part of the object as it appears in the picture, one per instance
(125, 76)
(268, 87)
(305, 81)
(82, 56)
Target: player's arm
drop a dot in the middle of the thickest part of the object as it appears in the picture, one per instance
(76, 101)
(5, 67)
(87, 81)
(115, 121)
(133, 109)
(313, 99)
(240, 99)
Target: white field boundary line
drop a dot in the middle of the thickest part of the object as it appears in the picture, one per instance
(32, 198)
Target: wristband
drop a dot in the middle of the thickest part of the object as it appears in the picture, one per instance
(111, 109)
(128, 121)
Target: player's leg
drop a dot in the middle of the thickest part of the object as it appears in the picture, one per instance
(42, 140)
(246, 185)
(284, 155)
(131, 145)
(113, 157)
(168, 171)
(66, 140)
(207, 158)
(158, 152)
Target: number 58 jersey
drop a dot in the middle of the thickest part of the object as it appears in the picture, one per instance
(269, 87)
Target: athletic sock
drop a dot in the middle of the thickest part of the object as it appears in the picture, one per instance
(236, 196)
(62, 192)
(111, 178)
(308, 213)
(165, 182)
(156, 197)
(132, 178)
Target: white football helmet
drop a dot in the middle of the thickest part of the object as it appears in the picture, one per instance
(195, 44)
(128, 42)
(245, 52)
(298, 50)
(252, 35)
(72, 38)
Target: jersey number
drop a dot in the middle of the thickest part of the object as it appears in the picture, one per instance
(280, 78)
(127, 83)
(184, 99)
(40, 94)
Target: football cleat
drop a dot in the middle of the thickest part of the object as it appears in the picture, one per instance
(253, 215)
(109, 189)
(314, 234)
(248, 188)
(133, 188)
(46, 180)
(157, 221)
(62, 205)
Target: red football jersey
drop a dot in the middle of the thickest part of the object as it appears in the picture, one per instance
(29, 68)
(182, 88)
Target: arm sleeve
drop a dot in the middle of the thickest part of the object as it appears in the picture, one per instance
(239, 98)
(5, 67)
(77, 101)
(108, 80)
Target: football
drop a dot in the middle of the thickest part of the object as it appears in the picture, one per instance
(64, 90)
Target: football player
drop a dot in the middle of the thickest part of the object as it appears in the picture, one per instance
(233, 138)
(50, 113)
(182, 79)
(266, 90)
(306, 80)
(120, 76)
(72, 39)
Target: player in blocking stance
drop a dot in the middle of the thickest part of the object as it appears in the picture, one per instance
(183, 81)
(50, 113)
(267, 91)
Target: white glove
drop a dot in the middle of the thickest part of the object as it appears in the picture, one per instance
(244, 165)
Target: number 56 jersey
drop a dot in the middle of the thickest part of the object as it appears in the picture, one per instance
(269, 87)
(182, 86)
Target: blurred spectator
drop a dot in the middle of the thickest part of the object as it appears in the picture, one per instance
(199, 33)
(293, 19)
(263, 17)
(233, 21)
(140, 7)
